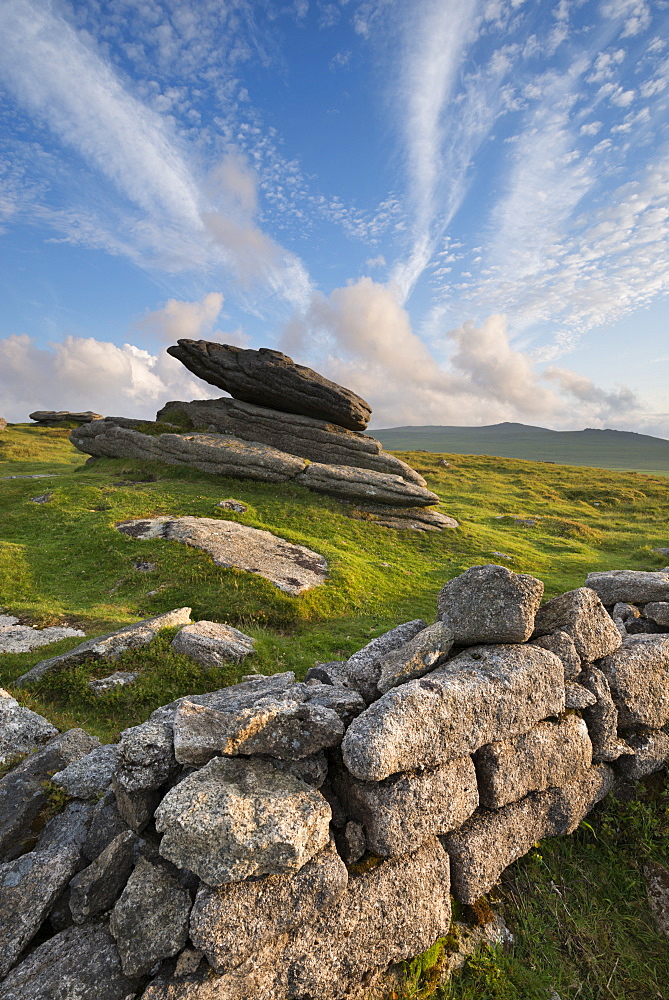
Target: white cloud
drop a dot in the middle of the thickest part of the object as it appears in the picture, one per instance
(177, 319)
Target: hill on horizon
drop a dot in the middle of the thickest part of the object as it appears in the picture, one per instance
(605, 449)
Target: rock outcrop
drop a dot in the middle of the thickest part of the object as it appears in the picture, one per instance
(286, 423)
(48, 417)
(293, 839)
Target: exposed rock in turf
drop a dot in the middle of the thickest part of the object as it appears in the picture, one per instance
(235, 921)
(486, 693)
(280, 727)
(212, 643)
(387, 914)
(269, 378)
(490, 604)
(150, 920)
(416, 657)
(307, 437)
(16, 638)
(292, 568)
(21, 730)
(59, 416)
(403, 811)
(349, 483)
(403, 518)
(629, 586)
(120, 678)
(80, 962)
(638, 674)
(237, 818)
(108, 646)
(491, 840)
(563, 646)
(550, 754)
(583, 617)
(657, 882)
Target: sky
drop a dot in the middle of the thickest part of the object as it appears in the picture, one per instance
(457, 208)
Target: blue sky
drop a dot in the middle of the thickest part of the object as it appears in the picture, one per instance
(458, 208)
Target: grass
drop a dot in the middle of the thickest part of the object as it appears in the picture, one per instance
(576, 905)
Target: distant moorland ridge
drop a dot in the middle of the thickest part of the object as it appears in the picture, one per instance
(606, 449)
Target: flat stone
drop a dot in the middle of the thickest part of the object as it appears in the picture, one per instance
(233, 819)
(388, 914)
(580, 614)
(658, 611)
(563, 646)
(281, 727)
(550, 754)
(490, 604)
(296, 434)
(291, 568)
(651, 751)
(120, 678)
(577, 696)
(23, 638)
(232, 922)
(349, 483)
(484, 694)
(22, 792)
(416, 657)
(491, 840)
(403, 811)
(629, 586)
(66, 830)
(95, 889)
(90, 776)
(59, 416)
(212, 643)
(108, 646)
(362, 670)
(80, 963)
(28, 888)
(150, 920)
(638, 675)
(21, 730)
(269, 378)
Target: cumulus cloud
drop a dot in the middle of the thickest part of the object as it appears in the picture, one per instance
(193, 320)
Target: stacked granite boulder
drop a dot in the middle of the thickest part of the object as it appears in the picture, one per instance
(294, 839)
(283, 423)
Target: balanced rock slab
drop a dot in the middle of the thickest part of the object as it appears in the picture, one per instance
(108, 646)
(272, 379)
(638, 675)
(484, 694)
(490, 604)
(281, 727)
(629, 586)
(212, 643)
(550, 754)
(296, 434)
(232, 922)
(403, 811)
(234, 819)
(80, 962)
(580, 614)
(291, 568)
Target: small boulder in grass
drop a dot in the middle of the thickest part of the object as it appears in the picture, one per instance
(212, 643)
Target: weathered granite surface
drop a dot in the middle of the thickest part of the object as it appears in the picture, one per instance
(212, 643)
(490, 604)
(21, 730)
(629, 585)
(638, 675)
(580, 614)
(484, 694)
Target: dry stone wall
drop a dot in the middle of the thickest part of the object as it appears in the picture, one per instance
(285, 839)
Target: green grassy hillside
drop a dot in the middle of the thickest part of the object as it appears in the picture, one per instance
(606, 449)
(577, 905)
